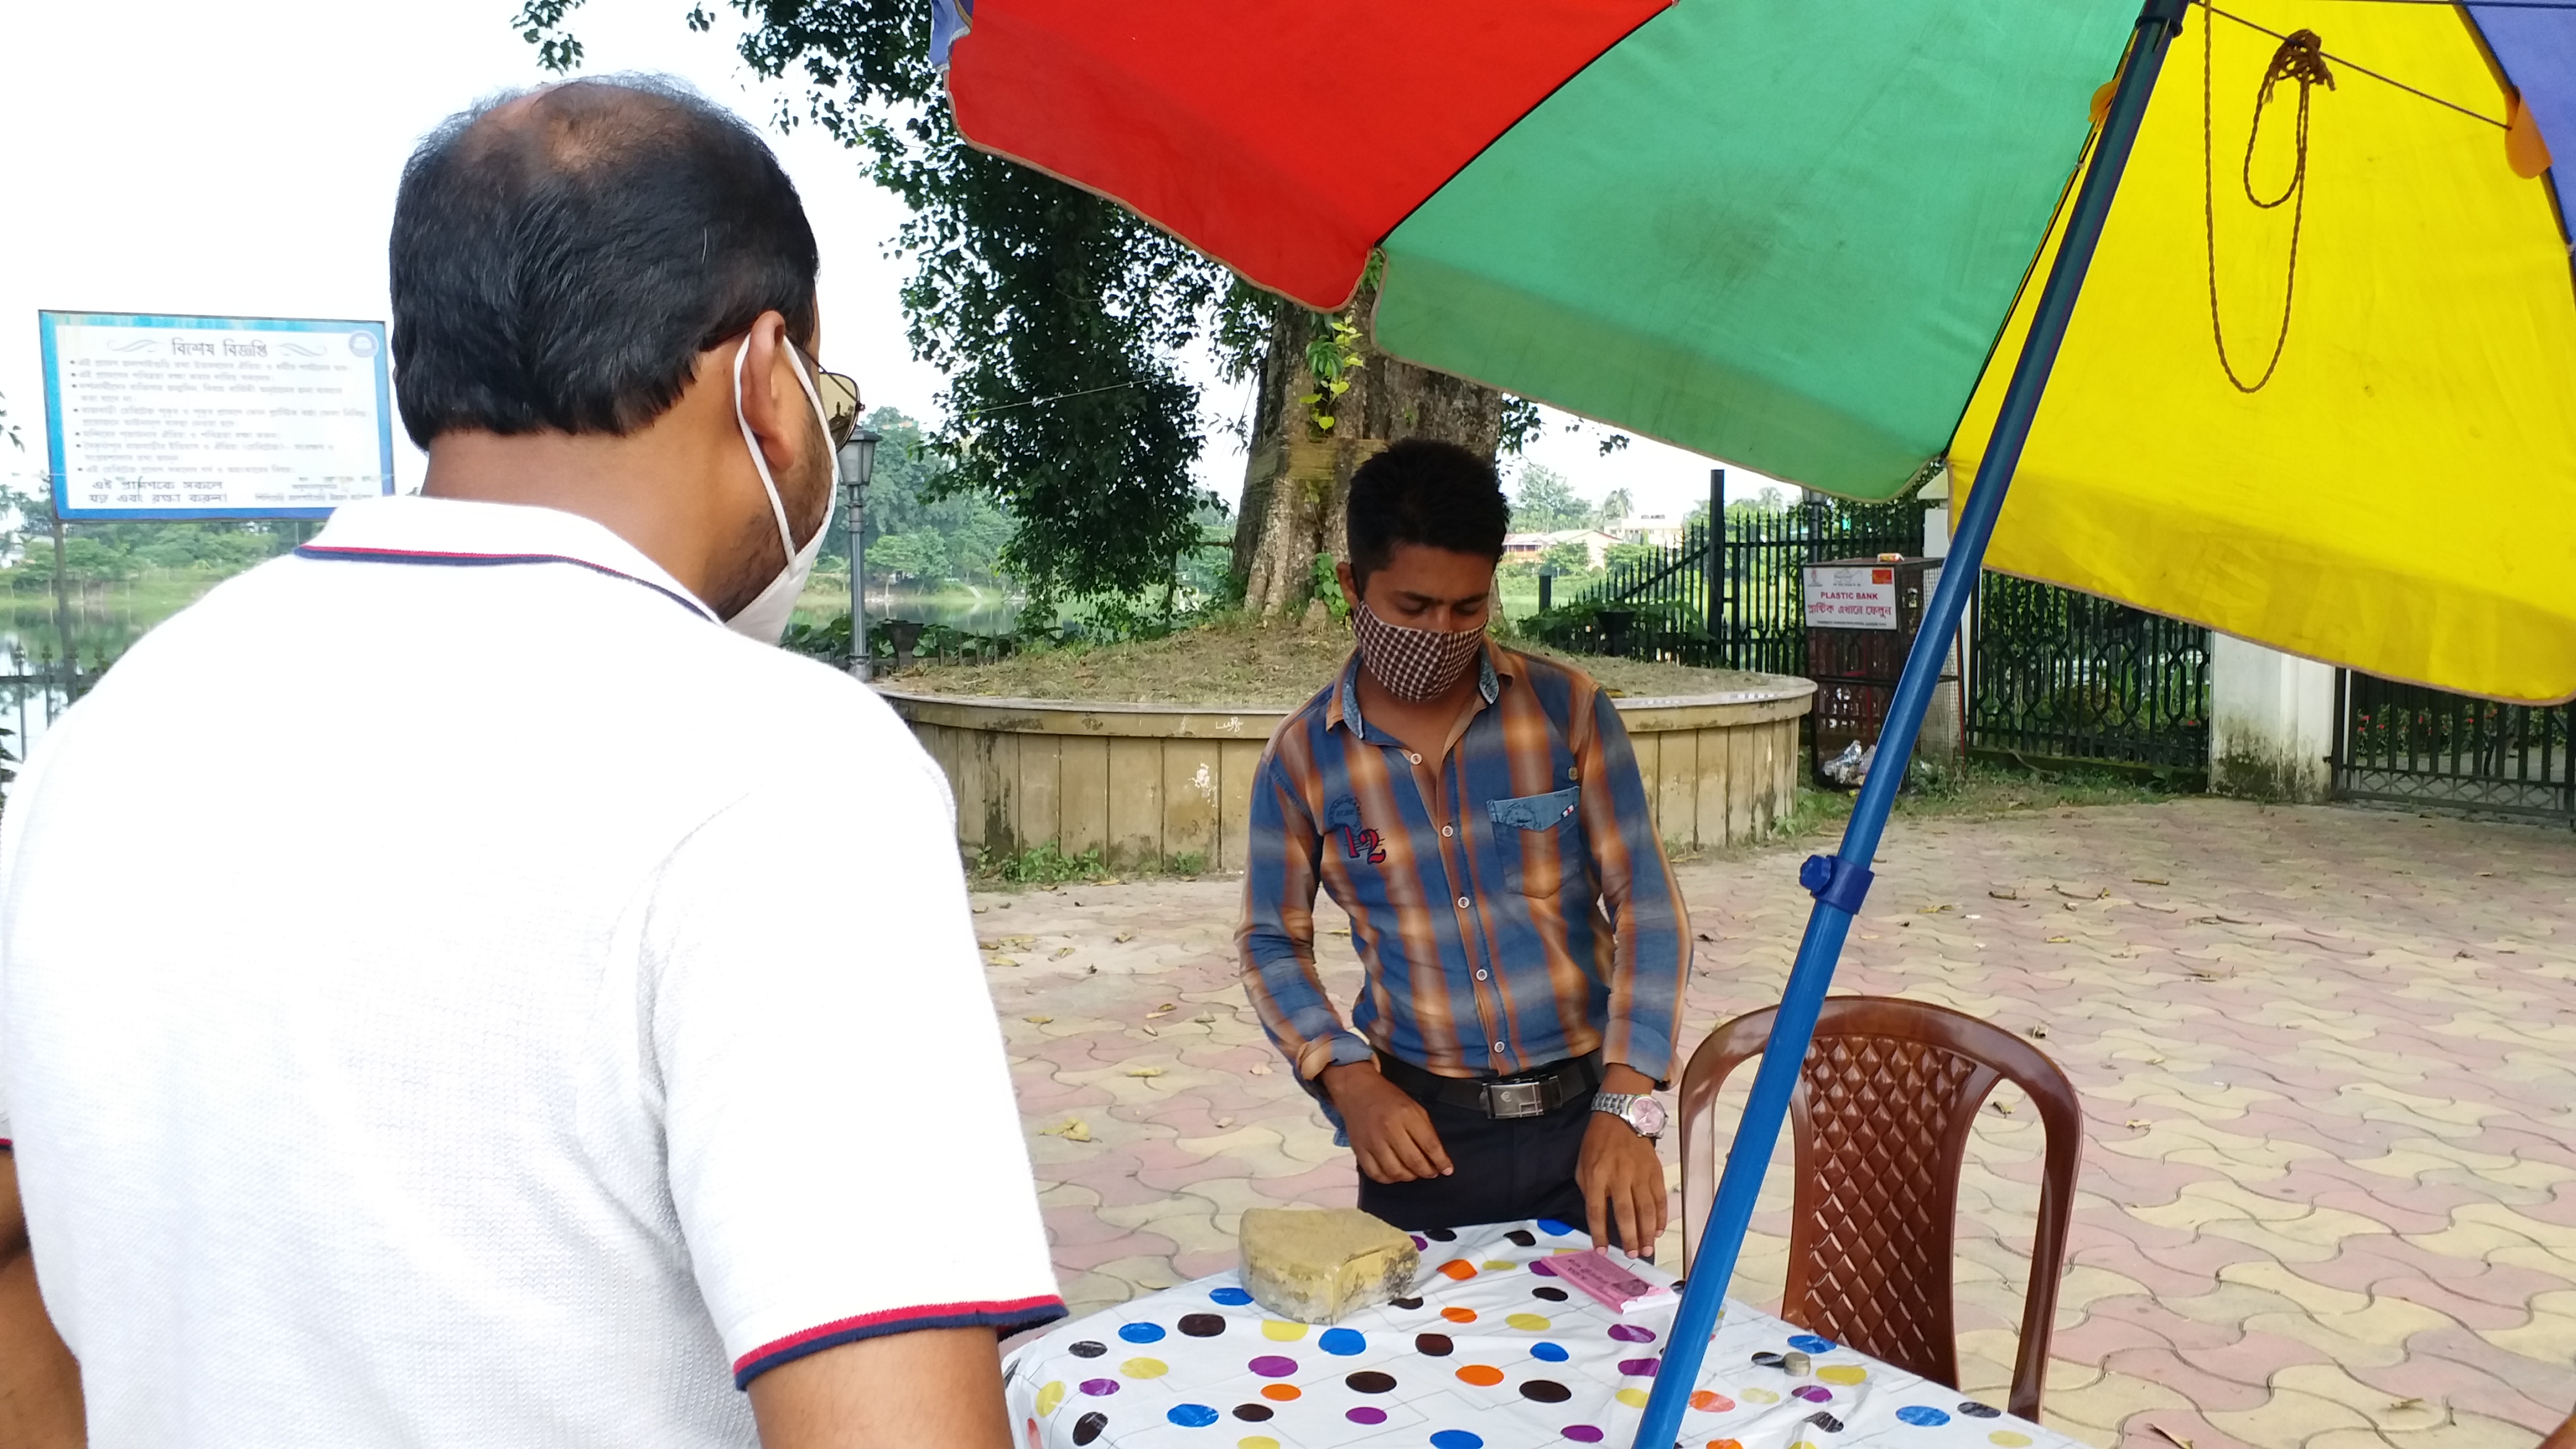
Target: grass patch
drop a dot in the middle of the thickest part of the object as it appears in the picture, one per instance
(1044, 867)
(1967, 791)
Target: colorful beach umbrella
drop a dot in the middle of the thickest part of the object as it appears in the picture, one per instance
(2320, 392)
(1791, 235)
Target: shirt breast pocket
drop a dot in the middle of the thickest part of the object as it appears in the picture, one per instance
(1540, 839)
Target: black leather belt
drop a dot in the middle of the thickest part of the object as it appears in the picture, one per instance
(1530, 1094)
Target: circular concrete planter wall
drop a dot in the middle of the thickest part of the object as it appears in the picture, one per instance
(1145, 783)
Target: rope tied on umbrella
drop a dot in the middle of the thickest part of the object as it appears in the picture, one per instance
(2300, 59)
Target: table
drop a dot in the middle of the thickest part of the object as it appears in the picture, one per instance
(1493, 1353)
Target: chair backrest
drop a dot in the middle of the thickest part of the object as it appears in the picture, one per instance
(1879, 1125)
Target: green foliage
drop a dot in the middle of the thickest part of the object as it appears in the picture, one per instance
(1622, 555)
(108, 553)
(1545, 502)
(920, 554)
(1046, 865)
(1573, 556)
(1327, 584)
(1040, 865)
(1613, 510)
(1054, 313)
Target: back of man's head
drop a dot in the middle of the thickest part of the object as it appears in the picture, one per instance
(1423, 491)
(561, 257)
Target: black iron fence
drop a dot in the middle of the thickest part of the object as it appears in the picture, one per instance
(2054, 675)
(35, 689)
(2408, 743)
(1737, 604)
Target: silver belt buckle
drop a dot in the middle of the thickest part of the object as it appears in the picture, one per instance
(1516, 1099)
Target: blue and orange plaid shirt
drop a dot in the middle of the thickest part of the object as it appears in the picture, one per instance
(1510, 903)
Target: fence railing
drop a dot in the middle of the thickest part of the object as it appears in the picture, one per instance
(1740, 605)
(2058, 675)
(35, 688)
(2411, 744)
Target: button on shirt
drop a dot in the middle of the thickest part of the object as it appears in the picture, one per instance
(453, 991)
(1510, 901)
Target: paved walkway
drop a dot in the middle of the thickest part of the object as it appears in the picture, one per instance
(2328, 1058)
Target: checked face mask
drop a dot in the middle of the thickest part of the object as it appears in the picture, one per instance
(1415, 664)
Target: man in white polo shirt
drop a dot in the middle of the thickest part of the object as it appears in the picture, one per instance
(455, 987)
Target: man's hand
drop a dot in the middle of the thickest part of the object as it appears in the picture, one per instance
(1621, 1177)
(938, 1388)
(1390, 1132)
(40, 1391)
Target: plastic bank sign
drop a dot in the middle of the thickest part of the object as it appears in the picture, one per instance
(214, 417)
(1850, 598)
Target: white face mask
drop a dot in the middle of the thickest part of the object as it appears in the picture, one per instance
(765, 617)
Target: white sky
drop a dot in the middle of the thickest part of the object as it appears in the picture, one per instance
(179, 157)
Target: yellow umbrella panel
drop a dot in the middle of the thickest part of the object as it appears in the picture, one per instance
(2399, 495)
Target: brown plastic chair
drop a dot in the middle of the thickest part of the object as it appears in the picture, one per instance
(1879, 1123)
(2562, 1437)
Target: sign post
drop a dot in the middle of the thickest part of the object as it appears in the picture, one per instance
(153, 417)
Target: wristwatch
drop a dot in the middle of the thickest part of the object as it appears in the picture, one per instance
(1643, 1114)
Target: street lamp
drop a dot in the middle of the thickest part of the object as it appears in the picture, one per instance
(858, 462)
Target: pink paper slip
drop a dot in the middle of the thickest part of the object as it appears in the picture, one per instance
(1619, 1289)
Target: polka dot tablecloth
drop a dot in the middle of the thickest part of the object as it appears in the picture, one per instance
(1490, 1352)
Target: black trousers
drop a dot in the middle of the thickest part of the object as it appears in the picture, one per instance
(1508, 1168)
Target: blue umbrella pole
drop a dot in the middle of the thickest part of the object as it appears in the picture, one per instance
(1840, 881)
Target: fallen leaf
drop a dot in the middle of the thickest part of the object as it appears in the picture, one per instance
(1705, 936)
(1124, 936)
(1149, 1031)
(2139, 1124)
(1076, 1130)
(2150, 880)
(1166, 1006)
(2170, 1437)
(999, 960)
(1337, 930)
(2006, 894)
(1061, 952)
(2206, 976)
(1261, 1069)
(2038, 1030)
(979, 910)
(1204, 1018)
(1865, 935)
(2462, 956)
(1090, 970)
(2059, 940)
(1224, 1122)
(1144, 1071)
(1037, 1020)
(2401, 1406)
(2219, 921)
(1106, 880)
(2003, 1109)
(2155, 1061)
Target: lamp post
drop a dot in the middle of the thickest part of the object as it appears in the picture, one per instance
(858, 461)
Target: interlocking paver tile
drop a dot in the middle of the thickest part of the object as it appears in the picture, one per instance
(2329, 1072)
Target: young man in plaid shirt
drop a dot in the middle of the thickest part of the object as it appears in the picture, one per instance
(1478, 814)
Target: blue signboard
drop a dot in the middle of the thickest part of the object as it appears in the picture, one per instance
(214, 417)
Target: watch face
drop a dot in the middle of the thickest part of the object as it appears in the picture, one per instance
(1647, 1116)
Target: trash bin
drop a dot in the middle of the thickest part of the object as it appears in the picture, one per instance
(1862, 615)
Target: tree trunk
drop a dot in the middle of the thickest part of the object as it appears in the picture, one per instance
(1297, 479)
